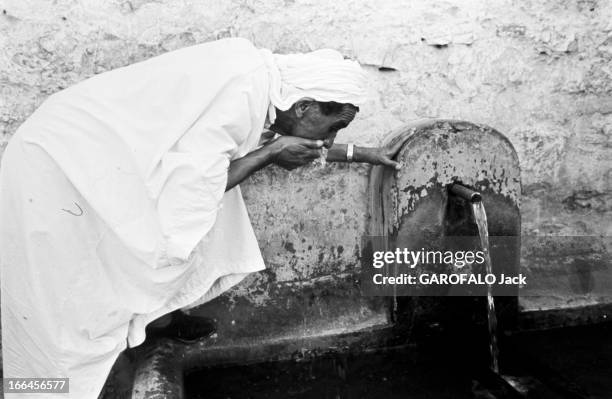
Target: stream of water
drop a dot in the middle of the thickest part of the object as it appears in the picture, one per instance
(480, 216)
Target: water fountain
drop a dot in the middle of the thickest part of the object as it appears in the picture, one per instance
(451, 168)
(421, 204)
(452, 171)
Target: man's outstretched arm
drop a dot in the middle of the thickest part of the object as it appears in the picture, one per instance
(372, 155)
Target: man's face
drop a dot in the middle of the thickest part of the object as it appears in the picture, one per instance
(312, 123)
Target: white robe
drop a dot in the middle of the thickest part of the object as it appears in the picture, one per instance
(113, 211)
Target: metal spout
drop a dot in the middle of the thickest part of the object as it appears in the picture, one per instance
(465, 193)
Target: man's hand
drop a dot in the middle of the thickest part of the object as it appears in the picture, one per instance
(381, 156)
(286, 151)
(384, 155)
(291, 152)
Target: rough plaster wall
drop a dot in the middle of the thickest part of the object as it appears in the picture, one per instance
(538, 71)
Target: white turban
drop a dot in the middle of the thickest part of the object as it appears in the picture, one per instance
(323, 75)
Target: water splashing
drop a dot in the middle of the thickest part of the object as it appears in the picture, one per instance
(480, 217)
(321, 162)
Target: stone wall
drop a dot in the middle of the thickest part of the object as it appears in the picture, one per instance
(538, 71)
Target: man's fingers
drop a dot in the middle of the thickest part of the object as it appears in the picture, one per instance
(389, 162)
(310, 153)
(313, 143)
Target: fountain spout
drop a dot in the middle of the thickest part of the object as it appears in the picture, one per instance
(465, 192)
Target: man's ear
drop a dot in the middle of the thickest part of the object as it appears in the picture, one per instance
(301, 107)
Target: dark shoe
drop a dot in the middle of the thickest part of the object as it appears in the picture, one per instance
(184, 328)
